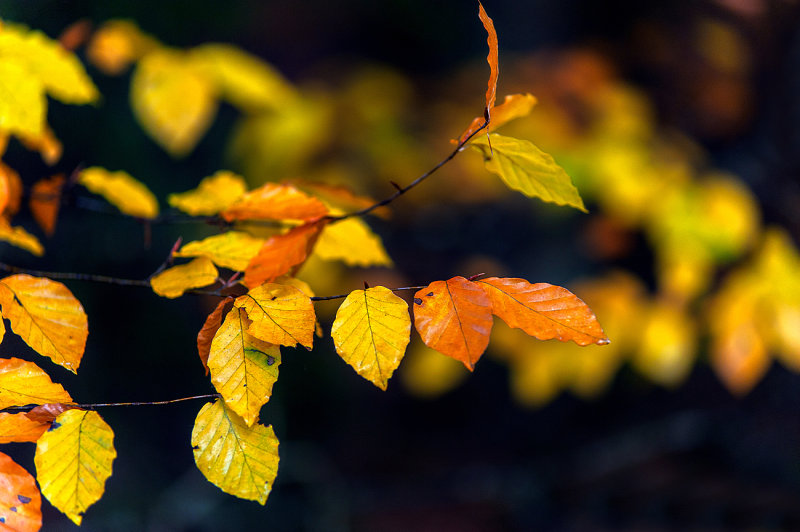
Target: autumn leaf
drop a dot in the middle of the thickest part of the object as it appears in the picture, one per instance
(173, 100)
(46, 143)
(20, 428)
(47, 317)
(210, 326)
(427, 374)
(117, 44)
(352, 241)
(73, 461)
(280, 314)
(127, 194)
(25, 383)
(233, 249)
(282, 254)
(214, 194)
(371, 332)
(240, 460)
(15, 190)
(45, 202)
(23, 105)
(275, 202)
(48, 412)
(19, 237)
(340, 197)
(174, 281)
(20, 501)
(514, 106)
(667, 346)
(524, 167)
(492, 58)
(454, 317)
(243, 367)
(542, 310)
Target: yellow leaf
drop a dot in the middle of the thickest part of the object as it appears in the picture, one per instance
(20, 428)
(243, 367)
(526, 168)
(240, 460)
(23, 105)
(243, 79)
(214, 194)
(47, 317)
(25, 383)
(19, 237)
(20, 501)
(667, 347)
(173, 100)
(233, 249)
(426, 373)
(73, 461)
(280, 314)
(127, 194)
(371, 331)
(353, 242)
(173, 282)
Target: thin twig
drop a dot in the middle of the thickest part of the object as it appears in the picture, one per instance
(91, 406)
(342, 296)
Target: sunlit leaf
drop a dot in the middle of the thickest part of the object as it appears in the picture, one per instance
(20, 501)
(23, 105)
(45, 202)
(543, 310)
(240, 460)
(526, 168)
(20, 428)
(243, 367)
(73, 461)
(353, 242)
(281, 314)
(514, 106)
(210, 326)
(275, 202)
(492, 58)
(371, 331)
(19, 237)
(282, 254)
(454, 317)
(174, 281)
(233, 249)
(173, 100)
(127, 194)
(214, 194)
(47, 317)
(25, 383)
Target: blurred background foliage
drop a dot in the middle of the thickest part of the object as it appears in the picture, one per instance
(678, 124)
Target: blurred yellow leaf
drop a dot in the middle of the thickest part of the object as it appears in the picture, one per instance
(20, 501)
(240, 460)
(19, 237)
(233, 249)
(46, 143)
(426, 373)
(24, 383)
(173, 100)
(23, 105)
(280, 314)
(526, 168)
(353, 242)
(73, 461)
(668, 345)
(127, 194)
(371, 331)
(214, 194)
(116, 44)
(174, 281)
(47, 317)
(243, 367)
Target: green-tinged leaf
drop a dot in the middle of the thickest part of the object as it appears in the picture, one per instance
(371, 331)
(524, 167)
(73, 461)
(353, 242)
(214, 194)
(233, 249)
(243, 367)
(25, 383)
(173, 282)
(240, 460)
(20, 501)
(127, 194)
(281, 314)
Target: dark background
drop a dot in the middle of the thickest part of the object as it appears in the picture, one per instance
(353, 458)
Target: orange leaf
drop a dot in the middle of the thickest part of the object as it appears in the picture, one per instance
(455, 318)
(20, 500)
(45, 202)
(513, 106)
(275, 202)
(19, 428)
(492, 58)
(3, 190)
(14, 191)
(282, 254)
(210, 327)
(543, 310)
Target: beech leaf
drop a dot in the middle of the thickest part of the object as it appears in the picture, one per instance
(174, 281)
(20, 428)
(352, 242)
(282, 254)
(524, 167)
(45, 202)
(214, 194)
(542, 310)
(280, 314)
(514, 106)
(371, 332)
(47, 317)
(275, 202)
(25, 383)
(240, 460)
(212, 324)
(492, 58)
(454, 317)
(23, 105)
(121, 190)
(20, 501)
(19, 237)
(73, 461)
(233, 249)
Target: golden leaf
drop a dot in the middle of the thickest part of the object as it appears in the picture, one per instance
(243, 367)
(23, 105)
(47, 317)
(20, 428)
(233, 249)
(73, 461)
(214, 194)
(20, 501)
(353, 242)
(240, 460)
(25, 383)
(371, 331)
(19, 237)
(667, 346)
(280, 314)
(127, 194)
(174, 281)
(275, 202)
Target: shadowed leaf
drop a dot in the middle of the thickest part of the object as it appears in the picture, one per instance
(209, 329)
(45, 202)
(121, 190)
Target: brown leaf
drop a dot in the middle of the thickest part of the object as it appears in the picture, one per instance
(282, 254)
(209, 329)
(48, 412)
(45, 202)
